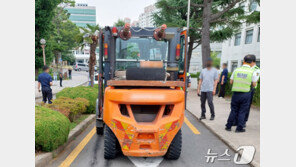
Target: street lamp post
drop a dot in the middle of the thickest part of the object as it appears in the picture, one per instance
(43, 42)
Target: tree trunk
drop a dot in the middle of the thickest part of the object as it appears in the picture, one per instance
(205, 34)
(189, 53)
(92, 59)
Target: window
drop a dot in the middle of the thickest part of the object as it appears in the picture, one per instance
(129, 52)
(237, 39)
(253, 6)
(258, 38)
(233, 66)
(249, 36)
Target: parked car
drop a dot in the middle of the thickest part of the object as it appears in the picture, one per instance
(80, 67)
(96, 78)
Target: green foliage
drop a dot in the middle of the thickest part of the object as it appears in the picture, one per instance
(78, 120)
(44, 14)
(216, 59)
(174, 13)
(52, 24)
(89, 93)
(119, 23)
(51, 129)
(71, 108)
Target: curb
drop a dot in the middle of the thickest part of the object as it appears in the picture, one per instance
(44, 158)
(39, 97)
(253, 163)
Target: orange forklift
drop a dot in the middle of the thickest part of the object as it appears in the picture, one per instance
(141, 98)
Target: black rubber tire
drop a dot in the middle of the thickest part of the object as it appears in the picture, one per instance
(110, 144)
(146, 74)
(175, 148)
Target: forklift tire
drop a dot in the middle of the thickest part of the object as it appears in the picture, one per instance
(174, 150)
(110, 144)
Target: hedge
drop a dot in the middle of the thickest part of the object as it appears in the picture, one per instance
(89, 93)
(71, 108)
(228, 92)
(51, 129)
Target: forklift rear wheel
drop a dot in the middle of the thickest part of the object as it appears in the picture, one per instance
(111, 145)
(174, 150)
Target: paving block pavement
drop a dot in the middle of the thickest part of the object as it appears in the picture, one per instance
(222, 109)
(78, 78)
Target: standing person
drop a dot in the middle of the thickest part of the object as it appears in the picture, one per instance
(219, 74)
(243, 78)
(223, 81)
(45, 81)
(207, 84)
(257, 72)
(70, 72)
(61, 78)
(55, 76)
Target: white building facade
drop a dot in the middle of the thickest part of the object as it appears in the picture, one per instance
(196, 57)
(246, 41)
(146, 18)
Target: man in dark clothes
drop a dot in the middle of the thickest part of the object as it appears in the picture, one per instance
(61, 78)
(223, 81)
(45, 81)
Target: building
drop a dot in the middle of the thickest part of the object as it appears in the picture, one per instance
(196, 57)
(127, 20)
(246, 41)
(146, 18)
(82, 14)
(135, 24)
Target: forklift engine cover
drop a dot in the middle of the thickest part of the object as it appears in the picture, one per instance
(145, 121)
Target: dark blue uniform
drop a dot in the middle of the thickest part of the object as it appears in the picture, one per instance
(45, 79)
(240, 103)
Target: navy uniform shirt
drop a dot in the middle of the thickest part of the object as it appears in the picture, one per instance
(45, 79)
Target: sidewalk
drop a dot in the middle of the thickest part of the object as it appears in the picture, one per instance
(222, 109)
(78, 78)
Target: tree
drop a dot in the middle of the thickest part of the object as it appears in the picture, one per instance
(90, 37)
(210, 21)
(44, 14)
(119, 23)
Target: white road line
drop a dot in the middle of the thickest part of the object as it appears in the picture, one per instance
(146, 162)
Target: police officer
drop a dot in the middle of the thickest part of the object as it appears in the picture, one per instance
(45, 81)
(257, 72)
(243, 78)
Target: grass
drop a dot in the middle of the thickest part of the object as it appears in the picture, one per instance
(78, 120)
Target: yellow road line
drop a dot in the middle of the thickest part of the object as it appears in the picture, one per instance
(189, 124)
(71, 157)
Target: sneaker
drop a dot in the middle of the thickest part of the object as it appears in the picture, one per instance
(228, 129)
(202, 117)
(212, 118)
(240, 131)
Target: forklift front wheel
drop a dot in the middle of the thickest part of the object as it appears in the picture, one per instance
(110, 144)
(174, 150)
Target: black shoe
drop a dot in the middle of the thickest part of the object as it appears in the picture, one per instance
(240, 131)
(212, 117)
(202, 117)
(244, 125)
(228, 129)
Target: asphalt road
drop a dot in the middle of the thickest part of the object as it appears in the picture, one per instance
(88, 150)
